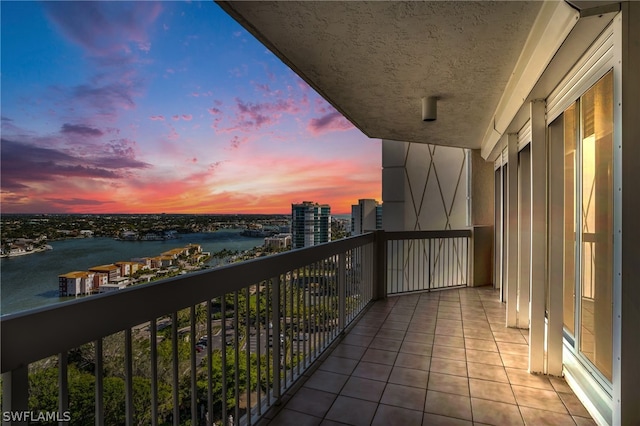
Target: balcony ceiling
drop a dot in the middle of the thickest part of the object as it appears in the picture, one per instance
(374, 61)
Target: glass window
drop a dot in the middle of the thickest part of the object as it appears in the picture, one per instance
(596, 283)
(570, 133)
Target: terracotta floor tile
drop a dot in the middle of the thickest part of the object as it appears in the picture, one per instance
(387, 333)
(513, 348)
(399, 317)
(326, 381)
(573, 404)
(416, 348)
(480, 345)
(373, 371)
(448, 352)
(349, 351)
(339, 365)
(295, 418)
(430, 419)
(364, 330)
(379, 356)
(385, 344)
(560, 384)
(419, 337)
(449, 405)
(484, 357)
(501, 336)
(515, 361)
(395, 325)
(582, 421)
(445, 366)
(403, 396)
(478, 334)
(448, 383)
(534, 416)
(417, 362)
(357, 340)
(494, 373)
(539, 398)
(443, 340)
(449, 331)
(387, 415)
(495, 413)
(358, 387)
(524, 378)
(311, 401)
(409, 377)
(352, 411)
(494, 391)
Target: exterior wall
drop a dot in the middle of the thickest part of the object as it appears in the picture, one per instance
(424, 187)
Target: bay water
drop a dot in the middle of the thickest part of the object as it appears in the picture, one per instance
(31, 281)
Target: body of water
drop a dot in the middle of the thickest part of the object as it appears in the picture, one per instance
(31, 281)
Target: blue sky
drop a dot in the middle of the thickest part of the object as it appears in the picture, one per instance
(137, 107)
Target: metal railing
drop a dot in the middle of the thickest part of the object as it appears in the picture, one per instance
(213, 347)
(426, 260)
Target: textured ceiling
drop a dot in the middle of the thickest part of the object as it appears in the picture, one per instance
(374, 61)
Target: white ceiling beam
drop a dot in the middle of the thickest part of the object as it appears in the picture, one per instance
(553, 24)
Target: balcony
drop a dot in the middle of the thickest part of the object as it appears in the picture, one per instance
(369, 329)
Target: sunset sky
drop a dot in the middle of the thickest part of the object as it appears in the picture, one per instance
(144, 107)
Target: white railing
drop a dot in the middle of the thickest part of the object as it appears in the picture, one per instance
(137, 356)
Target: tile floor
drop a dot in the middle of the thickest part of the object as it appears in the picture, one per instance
(441, 358)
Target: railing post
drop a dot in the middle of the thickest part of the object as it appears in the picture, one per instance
(379, 288)
(63, 385)
(342, 291)
(99, 390)
(15, 392)
(275, 336)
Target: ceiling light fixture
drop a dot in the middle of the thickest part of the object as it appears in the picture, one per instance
(429, 108)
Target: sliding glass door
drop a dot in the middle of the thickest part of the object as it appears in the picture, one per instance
(587, 132)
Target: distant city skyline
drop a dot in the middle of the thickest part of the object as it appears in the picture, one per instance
(151, 107)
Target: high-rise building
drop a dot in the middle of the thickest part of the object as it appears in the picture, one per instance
(366, 216)
(310, 224)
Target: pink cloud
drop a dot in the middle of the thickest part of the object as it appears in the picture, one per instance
(187, 117)
(333, 121)
(156, 118)
(173, 135)
(254, 116)
(105, 28)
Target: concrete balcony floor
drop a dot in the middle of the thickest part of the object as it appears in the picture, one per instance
(440, 358)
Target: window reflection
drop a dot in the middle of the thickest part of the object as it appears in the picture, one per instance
(597, 224)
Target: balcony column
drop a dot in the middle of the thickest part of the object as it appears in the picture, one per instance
(555, 308)
(626, 368)
(512, 242)
(538, 235)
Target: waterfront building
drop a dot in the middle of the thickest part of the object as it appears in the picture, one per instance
(112, 271)
(310, 224)
(279, 241)
(144, 262)
(76, 283)
(365, 216)
(118, 285)
(128, 268)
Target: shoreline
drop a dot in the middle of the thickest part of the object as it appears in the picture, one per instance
(38, 250)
